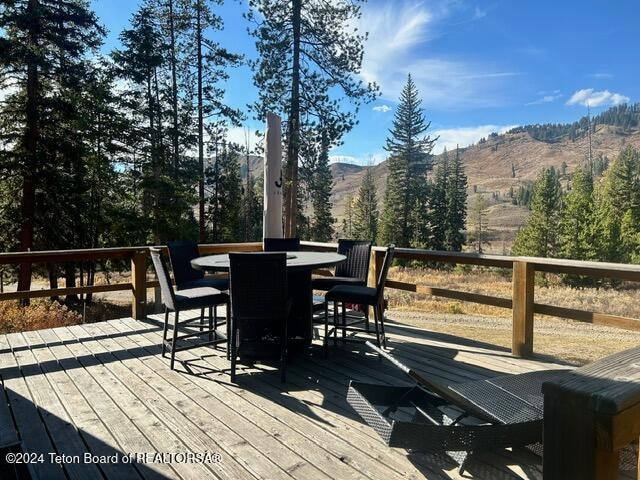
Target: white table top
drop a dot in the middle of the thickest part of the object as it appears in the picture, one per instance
(295, 261)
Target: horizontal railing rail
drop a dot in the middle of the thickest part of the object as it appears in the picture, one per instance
(139, 264)
(521, 302)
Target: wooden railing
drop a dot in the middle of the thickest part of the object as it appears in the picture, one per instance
(139, 264)
(523, 273)
(522, 302)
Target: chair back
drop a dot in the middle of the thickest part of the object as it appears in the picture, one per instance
(358, 253)
(258, 293)
(181, 253)
(382, 279)
(166, 289)
(281, 244)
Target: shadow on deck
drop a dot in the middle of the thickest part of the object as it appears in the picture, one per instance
(103, 388)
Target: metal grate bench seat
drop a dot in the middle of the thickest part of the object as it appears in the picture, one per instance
(500, 412)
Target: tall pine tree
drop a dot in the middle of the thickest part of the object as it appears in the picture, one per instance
(365, 210)
(404, 211)
(309, 55)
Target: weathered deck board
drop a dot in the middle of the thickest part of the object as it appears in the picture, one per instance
(104, 388)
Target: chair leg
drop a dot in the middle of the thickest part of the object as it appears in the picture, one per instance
(201, 319)
(228, 325)
(376, 314)
(164, 331)
(344, 322)
(335, 324)
(283, 352)
(325, 340)
(384, 335)
(211, 323)
(233, 353)
(366, 317)
(173, 342)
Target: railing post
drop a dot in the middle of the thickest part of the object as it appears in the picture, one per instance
(139, 284)
(378, 259)
(523, 281)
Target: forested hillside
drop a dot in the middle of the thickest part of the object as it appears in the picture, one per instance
(502, 168)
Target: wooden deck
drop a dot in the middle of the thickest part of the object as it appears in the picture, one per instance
(104, 388)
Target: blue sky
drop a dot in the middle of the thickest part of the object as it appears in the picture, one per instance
(480, 66)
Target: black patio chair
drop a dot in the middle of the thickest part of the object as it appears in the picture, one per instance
(186, 299)
(281, 244)
(359, 294)
(181, 253)
(353, 271)
(259, 304)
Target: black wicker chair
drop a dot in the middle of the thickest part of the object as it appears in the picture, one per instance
(281, 244)
(185, 276)
(186, 299)
(353, 271)
(359, 294)
(181, 253)
(259, 304)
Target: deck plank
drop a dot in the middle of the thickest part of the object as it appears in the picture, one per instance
(244, 431)
(63, 432)
(188, 419)
(269, 387)
(104, 387)
(94, 433)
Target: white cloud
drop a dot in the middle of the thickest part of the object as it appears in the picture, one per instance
(382, 108)
(465, 136)
(545, 98)
(601, 76)
(398, 33)
(592, 98)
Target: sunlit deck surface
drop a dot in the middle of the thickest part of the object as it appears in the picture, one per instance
(104, 388)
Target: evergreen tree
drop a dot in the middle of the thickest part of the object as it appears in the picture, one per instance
(479, 224)
(438, 199)
(44, 50)
(347, 221)
(206, 64)
(319, 186)
(539, 237)
(309, 53)
(404, 211)
(365, 210)
(226, 196)
(456, 202)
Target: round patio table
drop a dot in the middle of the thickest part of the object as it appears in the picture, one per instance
(299, 268)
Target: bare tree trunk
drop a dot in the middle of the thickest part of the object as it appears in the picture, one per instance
(201, 215)
(70, 280)
(52, 270)
(32, 139)
(174, 89)
(293, 147)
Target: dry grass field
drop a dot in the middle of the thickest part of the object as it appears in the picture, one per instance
(561, 339)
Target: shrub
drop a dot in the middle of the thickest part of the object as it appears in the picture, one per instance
(41, 313)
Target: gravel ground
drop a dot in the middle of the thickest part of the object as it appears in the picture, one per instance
(559, 340)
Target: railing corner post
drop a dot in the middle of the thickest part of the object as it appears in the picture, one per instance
(139, 284)
(523, 300)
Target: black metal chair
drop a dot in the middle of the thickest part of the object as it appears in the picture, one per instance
(353, 271)
(359, 294)
(181, 253)
(281, 244)
(186, 299)
(259, 304)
